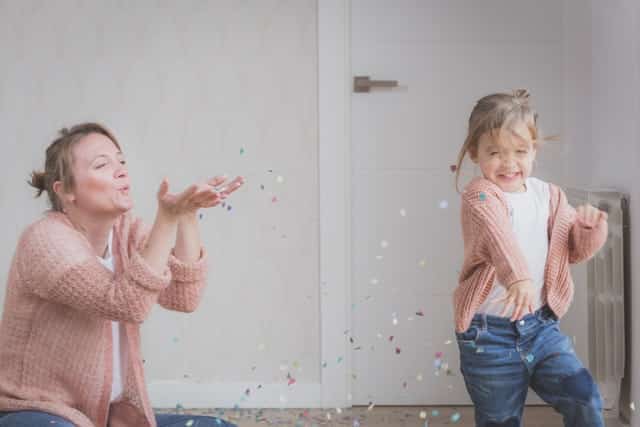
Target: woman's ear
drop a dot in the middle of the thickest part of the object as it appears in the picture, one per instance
(58, 189)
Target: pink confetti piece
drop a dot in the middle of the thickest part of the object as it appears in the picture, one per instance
(398, 350)
(419, 313)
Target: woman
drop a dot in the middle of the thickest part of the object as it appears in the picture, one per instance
(82, 280)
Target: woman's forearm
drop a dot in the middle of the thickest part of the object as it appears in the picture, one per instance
(188, 239)
(160, 241)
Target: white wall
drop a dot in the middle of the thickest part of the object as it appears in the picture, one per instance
(602, 109)
(184, 86)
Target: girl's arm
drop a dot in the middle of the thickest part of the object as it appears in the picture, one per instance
(486, 225)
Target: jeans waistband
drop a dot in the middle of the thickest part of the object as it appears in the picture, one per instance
(483, 320)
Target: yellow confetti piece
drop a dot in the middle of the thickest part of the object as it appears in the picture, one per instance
(423, 415)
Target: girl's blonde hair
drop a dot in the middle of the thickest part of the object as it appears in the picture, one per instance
(59, 161)
(494, 113)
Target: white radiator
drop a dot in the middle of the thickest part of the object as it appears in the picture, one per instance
(606, 295)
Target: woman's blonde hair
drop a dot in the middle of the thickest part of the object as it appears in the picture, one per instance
(59, 161)
(494, 113)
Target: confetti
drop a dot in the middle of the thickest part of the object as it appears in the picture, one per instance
(453, 168)
(261, 186)
(483, 197)
(356, 423)
(274, 199)
(632, 405)
(419, 313)
(403, 212)
(395, 321)
(189, 423)
(338, 410)
(397, 350)
(419, 377)
(447, 342)
(455, 417)
(443, 204)
(339, 359)
(422, 263)
(241, 151)
(435, 413)
(384, 244)
(374, 281)
(371, 405)
(279, 179)
(391, 338)
(529, 357)
(423, 415)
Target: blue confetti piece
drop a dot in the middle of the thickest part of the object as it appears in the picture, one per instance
(435, 413)
(455, 417)
(483, 197)
(529, 357)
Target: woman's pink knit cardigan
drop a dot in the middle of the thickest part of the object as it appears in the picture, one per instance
(491, 249)
(55, 333)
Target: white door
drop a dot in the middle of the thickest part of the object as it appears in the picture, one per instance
(406, 242)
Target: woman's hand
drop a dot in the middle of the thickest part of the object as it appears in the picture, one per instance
(589, 215)
(521, 296)
(203, 195)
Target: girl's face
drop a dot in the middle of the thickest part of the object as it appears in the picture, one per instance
(101, 177)
(506, 159)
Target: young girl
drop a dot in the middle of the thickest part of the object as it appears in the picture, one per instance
(520, 235)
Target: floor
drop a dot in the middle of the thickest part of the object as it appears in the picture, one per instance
(534, 416)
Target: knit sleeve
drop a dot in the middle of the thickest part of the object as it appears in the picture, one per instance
(188, 281)
(584, 240)
(57, 264)
(491, 229)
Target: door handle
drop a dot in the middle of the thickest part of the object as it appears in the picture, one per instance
(364, 84)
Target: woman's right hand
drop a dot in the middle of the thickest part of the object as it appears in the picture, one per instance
(520, 295)
(173, 206)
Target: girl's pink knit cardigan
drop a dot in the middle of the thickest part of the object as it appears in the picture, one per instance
(55, 333)
(491, 249)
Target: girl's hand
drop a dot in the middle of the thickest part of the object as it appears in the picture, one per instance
(204, 195)
(589, 215)
(521, 296)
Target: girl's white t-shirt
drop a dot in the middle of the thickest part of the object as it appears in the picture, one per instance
(118, 356)
(529, 214)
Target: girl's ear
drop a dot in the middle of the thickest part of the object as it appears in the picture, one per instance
(57, 188)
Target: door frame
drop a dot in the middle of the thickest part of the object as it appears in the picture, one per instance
(334, 157)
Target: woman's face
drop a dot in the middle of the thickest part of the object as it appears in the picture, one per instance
(101, 177)
(507, 159)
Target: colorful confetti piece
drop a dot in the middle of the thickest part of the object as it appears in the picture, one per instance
(384, 244)
(483, 197)
(455, 417)
(443, 204)
(453, 168)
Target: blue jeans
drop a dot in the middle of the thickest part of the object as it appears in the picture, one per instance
(500, 360)
(42, 419)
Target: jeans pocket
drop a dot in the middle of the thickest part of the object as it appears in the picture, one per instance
(468, 336)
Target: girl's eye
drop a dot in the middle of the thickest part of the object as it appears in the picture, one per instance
(123, 162)
(100, 165)
(493, 153)
(522, 151)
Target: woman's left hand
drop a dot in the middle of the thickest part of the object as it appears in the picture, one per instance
(214, 191)
(589, 215)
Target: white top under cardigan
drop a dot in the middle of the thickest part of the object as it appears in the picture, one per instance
(529, 215)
